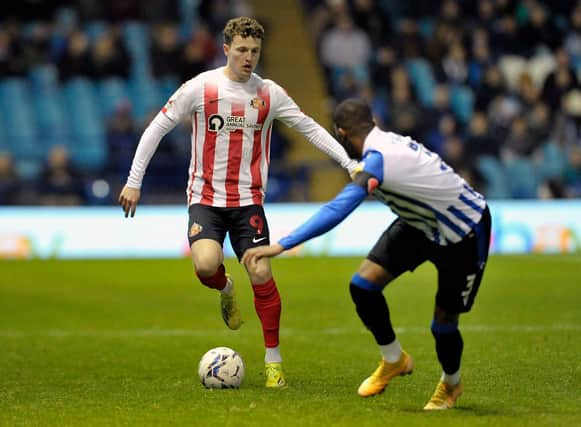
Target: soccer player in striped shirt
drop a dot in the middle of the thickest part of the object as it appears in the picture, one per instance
(441, 219)
(232, 110)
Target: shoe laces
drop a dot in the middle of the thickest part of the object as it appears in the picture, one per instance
(442, 392)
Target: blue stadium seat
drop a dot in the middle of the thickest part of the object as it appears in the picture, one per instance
(52, 120)
(88, 143)
(20, 126)
(145, 97)
(112, 92)
(167, 87)
(44, 78)
(462, 102)
(423, 80)
(494, 175)
(137, 38)
(94, 29)
(553, 161)
(523, 179)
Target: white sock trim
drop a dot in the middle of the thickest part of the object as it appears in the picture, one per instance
(452, 379)
(391, 352)
(272, 355)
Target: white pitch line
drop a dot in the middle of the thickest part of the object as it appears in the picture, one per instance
(285, 331)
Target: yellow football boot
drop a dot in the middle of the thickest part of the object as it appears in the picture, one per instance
(377, 382)
(229, 306)
(274, 376)
(445, 396)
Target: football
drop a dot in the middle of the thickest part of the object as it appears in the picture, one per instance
(221, 367)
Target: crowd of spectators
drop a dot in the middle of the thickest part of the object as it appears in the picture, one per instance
(490, 85)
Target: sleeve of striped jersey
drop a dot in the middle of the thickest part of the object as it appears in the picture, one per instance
(368, 174)
(180, 105)
(290, 114)
(148, 143)
(327, 217)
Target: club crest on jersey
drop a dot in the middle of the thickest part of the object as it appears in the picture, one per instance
(195, 229)
(215, 122)
(257, 103)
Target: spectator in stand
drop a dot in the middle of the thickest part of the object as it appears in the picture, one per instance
(481, 58)
(345, 46)
(409, 41)
(382, 66)
(505, 38)
(198, 53)
(539, 31)
(434, 115)
(527, 93)
(491, 87)
(405, 114)
(445, 129)
(478, 141)
(12, 60)
(369, 16)
(560, 81)
(109, 56)
(572, 41)
(122, 139)
(519, 142)
(9, 181)
(539, 122)
(165, 50)
(486, 16)
(38, 44)
(59, 182)
(76, 59)
(453, 68)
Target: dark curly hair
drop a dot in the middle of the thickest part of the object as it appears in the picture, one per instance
(244, 27)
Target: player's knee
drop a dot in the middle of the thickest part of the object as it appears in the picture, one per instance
(206, 269)
(443, 328)
(259, 272)
(361, 282)
(260, 275)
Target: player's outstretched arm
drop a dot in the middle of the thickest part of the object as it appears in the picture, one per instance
(128, 200)
(252, 255)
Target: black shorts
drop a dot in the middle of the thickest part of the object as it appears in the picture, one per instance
(460, 265)
(247, 226)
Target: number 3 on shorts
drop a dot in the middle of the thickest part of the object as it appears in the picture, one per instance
(468, 290)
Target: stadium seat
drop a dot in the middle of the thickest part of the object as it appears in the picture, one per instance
(94, 29)
(52, 122)
(145, 97)
(88, 144)
(462, 102)
(523, 180)
(494, 175)
(167, 87)
(44, 78)
(553, 161)
(112, 92)
(20, 126)
(137, 39)
(422, 78)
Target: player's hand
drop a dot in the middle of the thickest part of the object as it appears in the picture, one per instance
(252, 255)
(128, 200)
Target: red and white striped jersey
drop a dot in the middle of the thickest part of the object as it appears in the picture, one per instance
(231, 127)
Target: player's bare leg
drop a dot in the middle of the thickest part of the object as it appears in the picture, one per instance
(208, 258)
(268, 307)
(366, 291)
(449, 347)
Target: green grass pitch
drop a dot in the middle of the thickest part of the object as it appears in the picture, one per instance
(118, 342)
